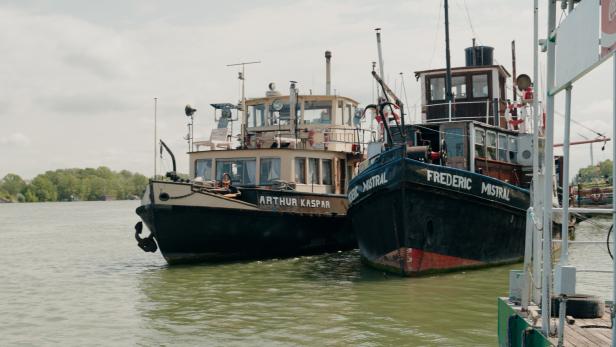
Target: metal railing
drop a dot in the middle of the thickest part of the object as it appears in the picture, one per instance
(450, 111)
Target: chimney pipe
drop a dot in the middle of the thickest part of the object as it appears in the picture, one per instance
(328, 73)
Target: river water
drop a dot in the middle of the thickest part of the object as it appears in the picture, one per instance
(71, 274)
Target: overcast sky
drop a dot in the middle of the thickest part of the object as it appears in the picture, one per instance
(78, 78)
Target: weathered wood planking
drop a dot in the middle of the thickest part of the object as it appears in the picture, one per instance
(587, 332)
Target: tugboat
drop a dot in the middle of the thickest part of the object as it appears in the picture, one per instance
(451, 192)
(280, 193)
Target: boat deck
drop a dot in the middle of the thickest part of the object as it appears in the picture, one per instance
(578, 332)
(586, 332)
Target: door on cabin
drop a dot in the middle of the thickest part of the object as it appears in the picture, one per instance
(455, 137)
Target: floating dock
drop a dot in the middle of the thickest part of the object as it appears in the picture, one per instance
(523, 328)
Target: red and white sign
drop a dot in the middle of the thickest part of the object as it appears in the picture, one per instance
(608, 27)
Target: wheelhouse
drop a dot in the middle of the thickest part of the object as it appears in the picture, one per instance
(308, 143)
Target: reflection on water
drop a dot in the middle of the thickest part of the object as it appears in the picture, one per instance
(73, 275)
(319, 300)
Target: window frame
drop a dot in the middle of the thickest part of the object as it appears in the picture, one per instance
(245, 159)
(211, 168)
(481, 143)
(487, 75)
(305, 174)
(317, 170)
(279, 169)
(431, 98)
(499, 148)
(488, 146)
(509, 149)
(331, 172)
(464, 77)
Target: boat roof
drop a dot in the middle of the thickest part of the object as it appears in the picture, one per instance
(465, 68)
(267, 99)
(224, 105)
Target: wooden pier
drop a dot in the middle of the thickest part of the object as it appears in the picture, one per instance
(518, 328)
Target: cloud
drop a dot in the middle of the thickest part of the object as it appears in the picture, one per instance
(85, 104)
(15, 139)
(91, 70)
(93, 64)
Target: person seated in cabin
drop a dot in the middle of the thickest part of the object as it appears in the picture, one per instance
(226, 184)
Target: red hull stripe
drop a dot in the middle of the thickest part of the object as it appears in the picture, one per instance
(413, 260)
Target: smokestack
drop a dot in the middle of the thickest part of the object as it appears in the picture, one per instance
(328, 73)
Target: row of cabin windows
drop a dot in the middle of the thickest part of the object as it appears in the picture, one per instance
(243, 171)
(478, 83)
(319, 171)
(315, 112)
(495, 146)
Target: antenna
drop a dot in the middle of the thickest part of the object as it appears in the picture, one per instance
(242, 77)
(378, 45)
(155, 142)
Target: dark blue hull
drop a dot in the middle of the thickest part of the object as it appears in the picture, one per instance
(411, 217)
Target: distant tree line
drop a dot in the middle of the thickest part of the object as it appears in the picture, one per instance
(599, 173)
(73, 184)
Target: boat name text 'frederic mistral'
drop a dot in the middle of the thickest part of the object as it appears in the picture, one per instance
(368, 184)
(456, 181)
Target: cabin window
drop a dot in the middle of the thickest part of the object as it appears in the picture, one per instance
(480, 86)
(269, 170)
(256, 115)
(241, 171)
(458, 84)
(491, 145)
(454, 138)
(317, 112)
(349, 114)
(502, 147)
(281, 116)
(313, 171)
(326, 167)
(203, 169)
(437, 88)
(480, 140)
(340, 113)
(513, 149)
(300, 170)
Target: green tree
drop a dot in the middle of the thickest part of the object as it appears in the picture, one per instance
(44, 189)
(12, 184)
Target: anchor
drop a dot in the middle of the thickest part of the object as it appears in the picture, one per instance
(147, 243)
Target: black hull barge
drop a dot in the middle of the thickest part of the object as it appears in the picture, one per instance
(433, 218)
(211, 227)
(280, 191)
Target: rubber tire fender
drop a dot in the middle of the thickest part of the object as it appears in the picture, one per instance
(581, 306)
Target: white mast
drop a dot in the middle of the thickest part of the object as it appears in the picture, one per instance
(549, 170)
(242, 77)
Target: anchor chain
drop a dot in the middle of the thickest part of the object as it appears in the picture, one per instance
(147, 244)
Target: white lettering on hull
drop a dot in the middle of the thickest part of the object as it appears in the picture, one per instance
(293, 202)
(449, 180)
(369, 184)
(495, 191)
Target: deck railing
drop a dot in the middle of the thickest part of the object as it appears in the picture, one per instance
(451, 105)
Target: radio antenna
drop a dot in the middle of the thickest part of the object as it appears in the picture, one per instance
(155, 142)
(242, 77)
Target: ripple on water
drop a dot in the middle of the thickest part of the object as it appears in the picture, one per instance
(72, 275)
